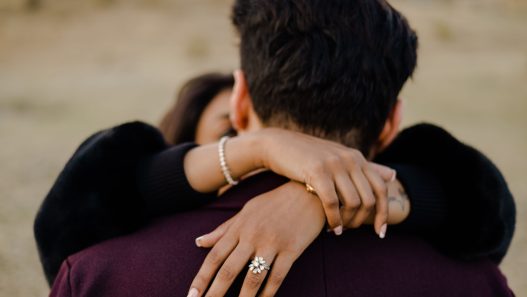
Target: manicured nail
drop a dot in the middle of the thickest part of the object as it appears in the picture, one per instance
(382, 233)
(338, 230)
(394, 176)
(193, 292)
(198, 243)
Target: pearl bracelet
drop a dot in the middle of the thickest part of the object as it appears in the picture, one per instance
(223, 163)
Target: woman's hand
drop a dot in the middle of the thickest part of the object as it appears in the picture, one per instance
(349, 186)
(278, 226)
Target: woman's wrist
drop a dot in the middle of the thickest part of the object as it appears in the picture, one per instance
(262, 143)
(272, 146)
(241, 155)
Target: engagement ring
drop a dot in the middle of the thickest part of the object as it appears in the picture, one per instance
(258, 265)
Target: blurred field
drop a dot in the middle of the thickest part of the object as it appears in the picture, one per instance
(67, 70)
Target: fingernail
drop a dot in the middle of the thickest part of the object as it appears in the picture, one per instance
(394, 176)
(382, 233)
(193, 293)
(338, 230)
(198, 243)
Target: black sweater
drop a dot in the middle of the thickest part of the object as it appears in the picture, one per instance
(120, 177)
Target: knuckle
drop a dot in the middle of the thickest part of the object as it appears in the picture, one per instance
(347, 209)
(383, 189)
(291, 245)
(369, 204)
(276, 279)
(214, 257)
(383, 212)
(226, 274)
(334, 160)
(359, 157)
(347, 217)
(353, 204)
(331, 203)
(199, 282)
(349, 157)
(247, 207)
(294, 247)
(253, 281)
(354, 166)
(383, 216)
(244, 246)
(318, 168)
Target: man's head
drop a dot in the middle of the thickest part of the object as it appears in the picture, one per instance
(330, 68)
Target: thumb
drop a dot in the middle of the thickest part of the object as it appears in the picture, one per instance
(209, 240)
(386, 173)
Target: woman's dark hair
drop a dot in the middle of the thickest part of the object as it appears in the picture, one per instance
(180, 122)
(331, 68)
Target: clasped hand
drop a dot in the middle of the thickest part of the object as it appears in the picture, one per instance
(278, 226)
(281, 224)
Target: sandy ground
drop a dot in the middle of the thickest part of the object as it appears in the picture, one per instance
(66, 72)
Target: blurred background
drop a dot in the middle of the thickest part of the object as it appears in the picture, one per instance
(69, 68)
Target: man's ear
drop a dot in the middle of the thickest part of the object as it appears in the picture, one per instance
(391, 127)
(240, 102)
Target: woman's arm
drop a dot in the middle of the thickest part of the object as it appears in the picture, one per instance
(113, 183)
(98, 194)
(287, 232)
(95, 197)
(478, 217)
(349, 186)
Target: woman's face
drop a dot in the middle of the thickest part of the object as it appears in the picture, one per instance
(214, 121)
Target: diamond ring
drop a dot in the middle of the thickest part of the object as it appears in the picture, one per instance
(258, 265)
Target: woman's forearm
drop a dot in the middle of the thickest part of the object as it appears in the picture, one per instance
(244, 155)
(202, 164)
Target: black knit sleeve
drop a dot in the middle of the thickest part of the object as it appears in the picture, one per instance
(476, 216)
(165, 187)
(97, 195)
(428, 207)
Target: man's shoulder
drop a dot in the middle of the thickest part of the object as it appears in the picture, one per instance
(158, 260)
(156, 237)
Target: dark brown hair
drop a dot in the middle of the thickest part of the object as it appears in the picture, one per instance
(181, 120)
(332, 68)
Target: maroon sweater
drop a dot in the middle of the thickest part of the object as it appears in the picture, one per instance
(161, 260)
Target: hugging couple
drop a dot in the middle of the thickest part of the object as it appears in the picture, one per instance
(281, 205)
